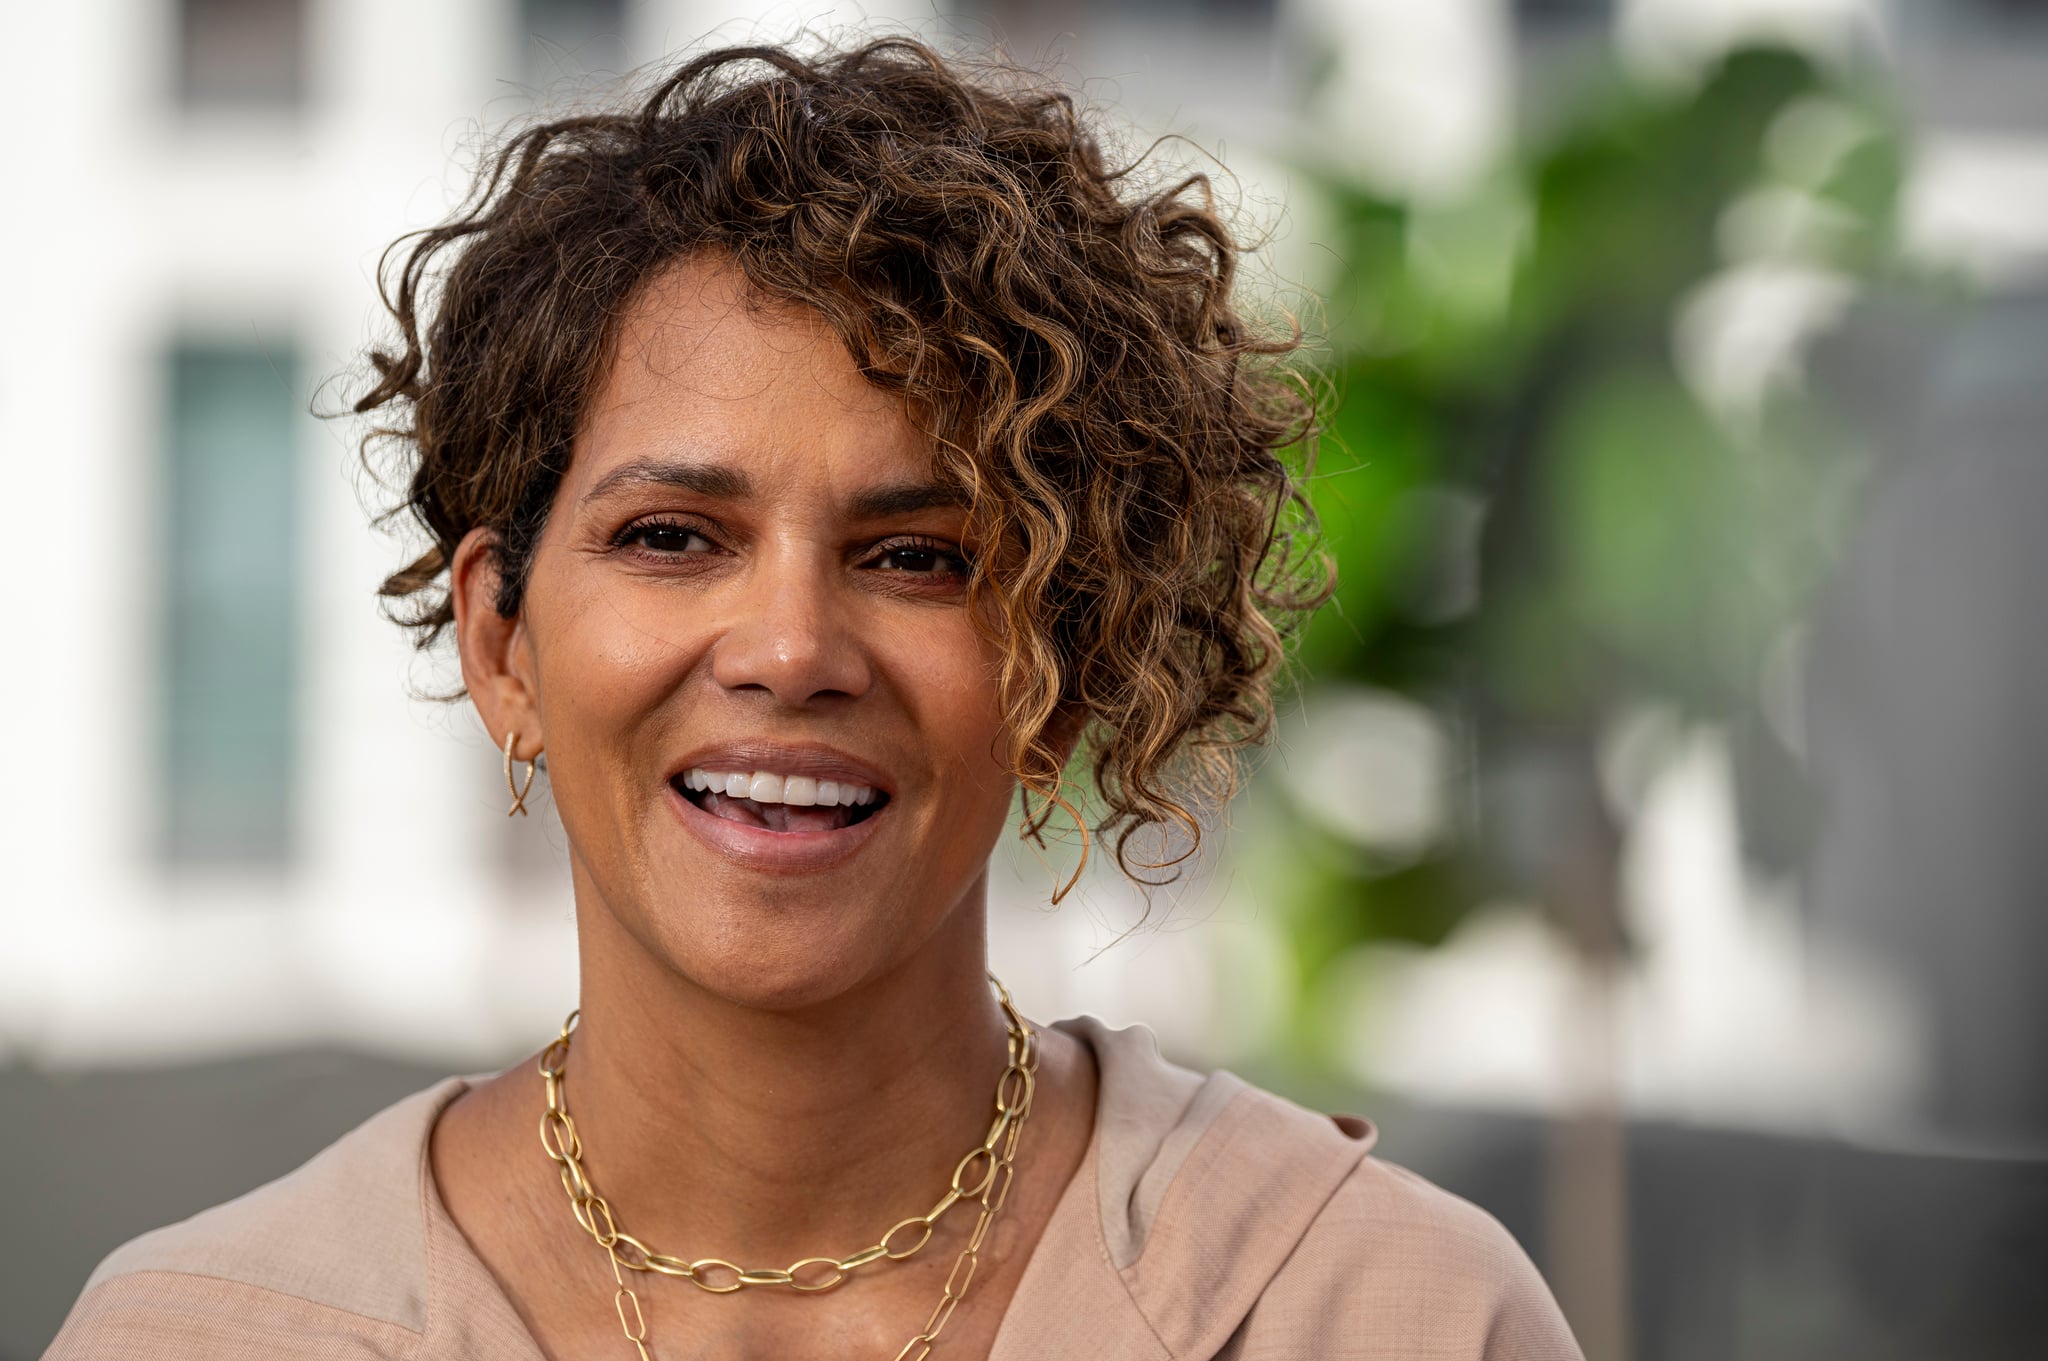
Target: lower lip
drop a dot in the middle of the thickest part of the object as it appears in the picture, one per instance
(759, 848)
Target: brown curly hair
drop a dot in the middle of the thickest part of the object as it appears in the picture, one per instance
(1066, 335)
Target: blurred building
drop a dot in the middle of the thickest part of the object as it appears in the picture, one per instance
(231, 827)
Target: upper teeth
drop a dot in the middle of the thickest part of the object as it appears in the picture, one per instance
(765, 786)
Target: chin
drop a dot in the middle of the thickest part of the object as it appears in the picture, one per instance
(775, 951)
(778, 921)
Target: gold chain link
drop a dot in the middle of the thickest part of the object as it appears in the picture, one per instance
(982, 1176)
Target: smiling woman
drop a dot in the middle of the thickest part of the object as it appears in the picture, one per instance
(814, 456)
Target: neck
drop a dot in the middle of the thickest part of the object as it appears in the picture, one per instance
(720, 1129)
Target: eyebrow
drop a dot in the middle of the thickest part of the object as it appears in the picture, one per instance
(706, 479)
(730, 484)
(879, 503)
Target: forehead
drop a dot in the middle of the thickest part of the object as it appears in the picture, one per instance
(704, 369)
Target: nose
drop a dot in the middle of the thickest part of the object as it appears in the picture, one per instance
(791, 635)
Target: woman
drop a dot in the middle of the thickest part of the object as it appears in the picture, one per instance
(816, 457)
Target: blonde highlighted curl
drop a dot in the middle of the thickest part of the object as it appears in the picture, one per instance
(1066, 335)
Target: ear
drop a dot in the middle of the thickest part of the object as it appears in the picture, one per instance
(497, 664)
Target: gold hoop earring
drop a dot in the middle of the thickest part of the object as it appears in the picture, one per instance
(518, 790)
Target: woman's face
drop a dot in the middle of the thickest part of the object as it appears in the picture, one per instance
(771, 727)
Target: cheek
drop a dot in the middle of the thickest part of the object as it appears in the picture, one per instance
(949, 680)
(602, 670)
(623, 632)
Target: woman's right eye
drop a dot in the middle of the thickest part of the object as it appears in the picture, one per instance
(663, 537)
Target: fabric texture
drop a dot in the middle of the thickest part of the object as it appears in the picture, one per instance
(1208, 1221)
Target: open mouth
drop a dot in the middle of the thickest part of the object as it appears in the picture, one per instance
(779, 803)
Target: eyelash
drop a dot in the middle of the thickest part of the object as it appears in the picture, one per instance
(909, 543)
(639, 528)
(916, 543)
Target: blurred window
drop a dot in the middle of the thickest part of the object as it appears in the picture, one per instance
(571, 38)
(242, 53)
(1054, 13)
(2000, 11)
(1975, 19)
(1563, 13)
(230, 584)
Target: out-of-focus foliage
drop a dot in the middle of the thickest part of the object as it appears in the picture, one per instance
(1542, 520)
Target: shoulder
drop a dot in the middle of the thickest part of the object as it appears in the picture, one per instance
(329, 1260)
(1392, 1256)
(1245, 1227)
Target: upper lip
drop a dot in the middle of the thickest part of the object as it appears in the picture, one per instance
(814, 759)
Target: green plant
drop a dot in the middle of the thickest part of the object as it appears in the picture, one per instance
(1542, 521)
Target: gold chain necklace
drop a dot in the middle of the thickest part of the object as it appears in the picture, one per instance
(982, 1176)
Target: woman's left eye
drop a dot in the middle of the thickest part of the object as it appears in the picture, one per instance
(920, 558)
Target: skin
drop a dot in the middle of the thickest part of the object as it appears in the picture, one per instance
(771, 1063)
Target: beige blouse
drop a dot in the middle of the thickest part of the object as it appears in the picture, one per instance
(1208, 1221)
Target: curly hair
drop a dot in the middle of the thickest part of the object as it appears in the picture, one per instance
(1065, 335)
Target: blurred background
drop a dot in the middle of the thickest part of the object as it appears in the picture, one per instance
(1651, 841)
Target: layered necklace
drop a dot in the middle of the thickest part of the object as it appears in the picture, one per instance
(981, 1178)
